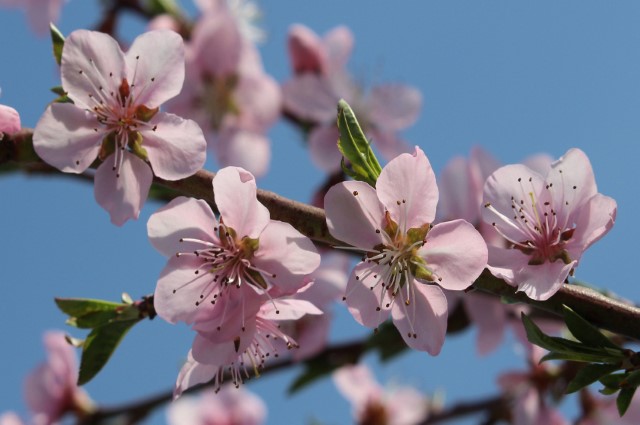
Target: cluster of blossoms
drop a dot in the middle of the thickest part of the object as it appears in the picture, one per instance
(321, 80)
(231, 278)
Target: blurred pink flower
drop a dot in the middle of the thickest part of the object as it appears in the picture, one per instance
(598, 410)
(245, 13)
(229, 406)
(229, 94)
(372, 404)
(548, 222)
(528, 391)
(115, 117)
(9, 120)
(10, 418)
(40, 13)
(406, 260)
(211, 260)
(51, 390)
(321, 80)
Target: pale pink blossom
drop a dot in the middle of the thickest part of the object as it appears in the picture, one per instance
(40, 13)
(321, 80)
(406, 260)
(229, 94)
(115, 117)
(245, 351)
(211, 259)
(599, 410)
(51, 390)
(10, 418)
(9, 120)
(245, 13)
(229, 406)
(529, 393)
(373, 404)
(548, 222)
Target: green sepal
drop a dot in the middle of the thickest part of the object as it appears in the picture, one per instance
(355, 147)
(161, 7)
(136, 147)
(78, 307)
(624, 400)
(99, 346)
(588, 375)
(585, 332)
(57, 40)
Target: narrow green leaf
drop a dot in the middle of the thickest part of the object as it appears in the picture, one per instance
(78, 307)
(99, 346)
(58, 90)
(632, 379)
(588, 375)
(93, 319)
(582, 357)
(585, 331)
(57, 40)
(608, 391)
(624, 400)
(355, 147)
(614, 380)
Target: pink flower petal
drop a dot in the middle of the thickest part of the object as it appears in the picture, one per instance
(310, 97)
(10, 418)
(367, 299)
(155, 67)
(192, 374)
(235, 192)
(92, 68)
(357, 384)
(388, 143)
(312, 336)
(66, 137)
(456, 252)
(288, 309)
(456, 193)
(394, 106)
(540, 282)
(287, 254)
(354, 213)
(245, 149)
(205, 351)
(323, 147)
(489, 316)
(422, 323)
(41, 14)
(9, 120)
(181, 218)
(259, 99)
(178, 291)
(217, 43)
(176, 147)
(306, 50)
(338, 44)
(122, 196)
(407, 188)
(594, 220)
(573, 179)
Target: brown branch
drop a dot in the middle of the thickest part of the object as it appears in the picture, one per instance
(602, 311)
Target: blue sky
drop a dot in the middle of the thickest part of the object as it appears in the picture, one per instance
(517, 78)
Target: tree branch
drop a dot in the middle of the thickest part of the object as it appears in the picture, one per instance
(607, 313)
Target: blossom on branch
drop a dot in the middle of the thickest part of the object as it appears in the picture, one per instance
(229, 406)
(547, 222)
(9, 120)
(115, 117)
(406, 260)
(321, 80)
(373, 405)
(52, 390)
(40, 13)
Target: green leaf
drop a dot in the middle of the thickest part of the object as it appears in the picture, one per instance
(624, 400)
(355, 147)
(93, 319)
(98, 347)
(78, 307)
(585, 331)
(613, 381)
(583, 358)
(57, 40)
(588, 375)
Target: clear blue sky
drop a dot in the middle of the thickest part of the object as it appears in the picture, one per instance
(516, 77)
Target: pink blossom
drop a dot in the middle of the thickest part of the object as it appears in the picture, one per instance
(40, 13)
(372, 404)
(548, 222)
(229, 94)
(321, 80)
(229, 406)
(245, 13)
(51, 389)
(246, 351)
(115, 117)
(10, 418)
(600, 410)
(406, 260)
(210, 259)
(528, 391)
(9, 120)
